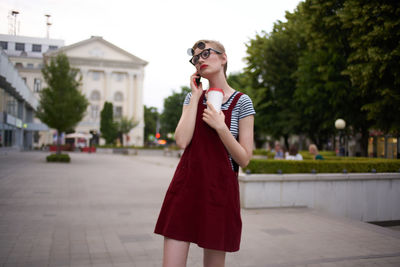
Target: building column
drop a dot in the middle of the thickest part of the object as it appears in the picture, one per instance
(131, 95)
(107, 85)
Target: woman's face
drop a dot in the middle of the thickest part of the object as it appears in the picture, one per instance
(211, 65)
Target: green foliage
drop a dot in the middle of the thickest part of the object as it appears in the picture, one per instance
(58, 158)
(374, 61)
(150, 121)
(322, 166)
(272, 61)
(108, 128)
(62, 105)
(172, 111)
(125, 125)
(331, 59)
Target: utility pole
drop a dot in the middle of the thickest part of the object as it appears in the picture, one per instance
(48, 24)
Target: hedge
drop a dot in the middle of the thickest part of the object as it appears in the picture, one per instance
(304, 153)
(58, 158)
(322, 166)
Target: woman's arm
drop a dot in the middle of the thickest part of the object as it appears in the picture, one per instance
(241, 151)
(185, 128)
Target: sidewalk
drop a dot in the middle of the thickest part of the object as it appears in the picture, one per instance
(100, 210)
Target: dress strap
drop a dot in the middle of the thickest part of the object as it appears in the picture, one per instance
(234, 101)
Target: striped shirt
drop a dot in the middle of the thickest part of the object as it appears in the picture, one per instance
(244, 107)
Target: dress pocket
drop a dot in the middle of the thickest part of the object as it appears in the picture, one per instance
(221, 187)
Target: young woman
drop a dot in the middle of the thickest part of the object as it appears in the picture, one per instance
(314, 151)
(202, 202)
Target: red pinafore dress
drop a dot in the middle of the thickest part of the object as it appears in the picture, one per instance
(202, 203)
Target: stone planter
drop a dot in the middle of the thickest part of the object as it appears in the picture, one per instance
(361, 196)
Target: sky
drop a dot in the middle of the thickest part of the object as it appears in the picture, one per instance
(158, 31)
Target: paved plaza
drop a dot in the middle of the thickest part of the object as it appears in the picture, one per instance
(100, 210)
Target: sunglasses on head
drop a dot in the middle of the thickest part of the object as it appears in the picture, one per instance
(203, 54)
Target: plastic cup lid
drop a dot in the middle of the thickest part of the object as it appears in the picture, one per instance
(216, 89)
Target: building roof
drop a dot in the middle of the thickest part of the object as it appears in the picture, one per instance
(99, 39)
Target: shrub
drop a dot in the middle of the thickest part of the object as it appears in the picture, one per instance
(58, 158)
(322, 166)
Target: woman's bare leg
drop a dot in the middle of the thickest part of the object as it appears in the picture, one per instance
(214, 258)
(175, 253)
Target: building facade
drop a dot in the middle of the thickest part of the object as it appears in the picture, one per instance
(17, 107)
(108, 74)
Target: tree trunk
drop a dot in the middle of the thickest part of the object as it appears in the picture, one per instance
(364, 142)
(286, 138)
(58, 143)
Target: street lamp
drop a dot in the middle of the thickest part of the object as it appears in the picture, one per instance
(340, 124)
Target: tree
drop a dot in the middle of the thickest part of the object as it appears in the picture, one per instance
(323, 92)
(374, 59)
(125, 125)
(150, 121)
(272, 60)
(172, 110)
(62, 106)
(108, 128)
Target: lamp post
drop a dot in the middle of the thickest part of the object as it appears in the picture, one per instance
(340, 124)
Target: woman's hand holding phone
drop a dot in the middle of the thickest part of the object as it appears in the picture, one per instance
(196, 85)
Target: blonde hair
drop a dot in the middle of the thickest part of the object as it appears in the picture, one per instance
(313, 148)
(217, 46)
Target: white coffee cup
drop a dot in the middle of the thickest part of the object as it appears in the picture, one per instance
(215, 96)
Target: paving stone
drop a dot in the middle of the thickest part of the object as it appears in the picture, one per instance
(100, 210)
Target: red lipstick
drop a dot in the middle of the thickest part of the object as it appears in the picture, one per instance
(203, 66)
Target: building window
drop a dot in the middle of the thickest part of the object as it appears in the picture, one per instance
(53, 47)
(24, 79)
(4, 45)
(2, 100)
(37, 85)
(95, 95)
(118, 96)
(36, 48)
(94, 111)
(96, 75)
(119, 77)
(11, 106)
(117, 112)
(20, 46)
(30, 65)
(19, 65)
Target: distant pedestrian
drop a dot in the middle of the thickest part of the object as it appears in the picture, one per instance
(278, 151)
(202, 204)
(314, 151)
(293, 153)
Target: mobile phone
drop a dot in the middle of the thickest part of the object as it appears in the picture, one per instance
(197, 81)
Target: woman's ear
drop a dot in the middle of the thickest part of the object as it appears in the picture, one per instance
(224, 59)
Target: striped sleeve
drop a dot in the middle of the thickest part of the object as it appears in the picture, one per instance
(187, 99)
(246, 107)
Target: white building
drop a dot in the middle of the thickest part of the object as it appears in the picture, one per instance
(108, 74)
